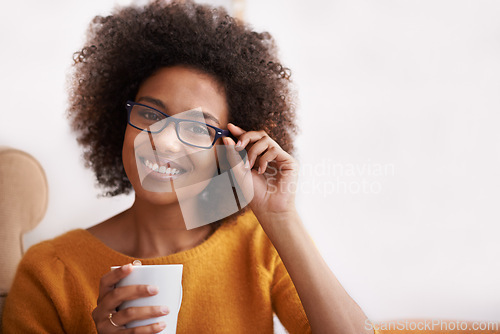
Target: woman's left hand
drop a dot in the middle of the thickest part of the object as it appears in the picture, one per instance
(273, 171)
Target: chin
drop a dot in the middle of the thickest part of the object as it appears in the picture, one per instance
(156, 198)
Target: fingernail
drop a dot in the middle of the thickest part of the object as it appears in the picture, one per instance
(127, 267)
(259, 171)
(238, 144)
(247, 164)
(162, 325)
(152, 289)
(164, 309)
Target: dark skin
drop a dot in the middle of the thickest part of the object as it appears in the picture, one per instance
(177, 89)
(140, 233)
(137, 231)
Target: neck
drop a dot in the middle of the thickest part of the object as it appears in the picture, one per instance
(160, 230)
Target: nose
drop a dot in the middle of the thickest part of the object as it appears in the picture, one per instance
(167, 140)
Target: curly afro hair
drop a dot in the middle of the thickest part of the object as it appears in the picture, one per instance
(125, 48)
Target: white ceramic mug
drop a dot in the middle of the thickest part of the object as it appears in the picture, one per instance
(168, 279)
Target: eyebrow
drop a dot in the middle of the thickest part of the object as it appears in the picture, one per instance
(160, 104)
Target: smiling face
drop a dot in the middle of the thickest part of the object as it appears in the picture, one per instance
(158, 164)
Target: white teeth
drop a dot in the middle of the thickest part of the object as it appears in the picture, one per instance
(161, 169)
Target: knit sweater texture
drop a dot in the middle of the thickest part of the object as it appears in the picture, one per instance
(232, 283)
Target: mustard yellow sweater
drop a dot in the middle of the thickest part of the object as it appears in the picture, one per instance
(232, 283)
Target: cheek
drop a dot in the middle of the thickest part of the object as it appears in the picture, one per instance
(136, 141)
(204, 162)
(128, 155)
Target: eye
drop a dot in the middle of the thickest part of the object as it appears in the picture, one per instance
(198, 129)
(149, 115)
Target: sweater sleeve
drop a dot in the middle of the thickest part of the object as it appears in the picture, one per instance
(286, 301)
(31, 305)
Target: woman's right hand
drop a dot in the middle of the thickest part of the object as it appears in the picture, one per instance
(110, 298)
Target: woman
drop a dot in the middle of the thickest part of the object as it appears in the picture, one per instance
(168, 59)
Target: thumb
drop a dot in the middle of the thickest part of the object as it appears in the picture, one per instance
(233, 157)
(240, 168)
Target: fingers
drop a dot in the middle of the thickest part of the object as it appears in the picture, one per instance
(233, 156)
(267, 157)
(117, 296)
(109, 280)
(237, 164)
(153, 328)
(242, 135)
(250, 137)
(110, 298)
(107, 327)
(235, 130)
(240, 170)
(261, 149)
(125, 316)
(261, 142)
(130, 314)
(258, 148)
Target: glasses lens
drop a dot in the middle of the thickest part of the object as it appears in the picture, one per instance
(191, 132)
(147, 118)
(196, 133)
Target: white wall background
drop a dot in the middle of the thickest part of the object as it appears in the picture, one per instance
(400, 153)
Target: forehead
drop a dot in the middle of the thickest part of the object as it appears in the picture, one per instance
(182, 88)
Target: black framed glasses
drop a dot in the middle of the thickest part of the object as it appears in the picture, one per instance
(189, 131)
